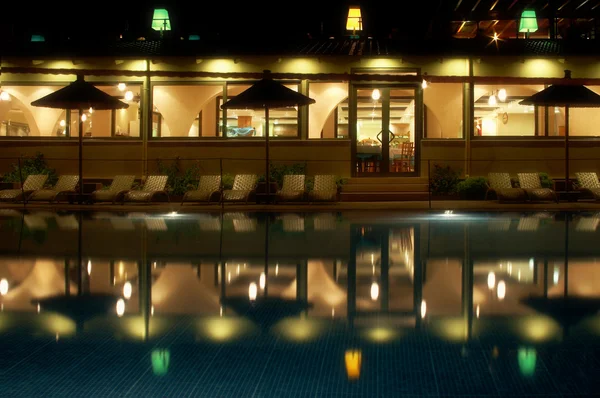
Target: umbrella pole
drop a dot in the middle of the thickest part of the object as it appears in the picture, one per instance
(267, 155)
(567, 149)
(80, 157)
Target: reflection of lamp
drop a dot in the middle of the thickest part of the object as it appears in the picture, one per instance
(127, 289)
(491, 280)
(528, 23)
(160, 361)
(501, 290)
(252, 291)
(527, 358)
(353, 359)
(3, 286)
(374, 291)
(120, 307)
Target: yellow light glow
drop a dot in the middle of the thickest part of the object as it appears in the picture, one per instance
(121, 86)
(129, 95)
(3, 286)
(62, 123)
(492, 100)
(89, 267)
(299, 330)
(59, 325)
(423, 309)
(495, 36)
(381, 334)
(252, 291)
(376, 94)
(127, 290)
(91, 110)
(424, 84)
(454, 330)
(83, 117)
(539, 329)
(374, 291)
(354, 20)
(226, 328)
(501, 290)
(491, 280)
(502, 94)
(120, 308)
(262, 281)
(353, 360)
(4, 96)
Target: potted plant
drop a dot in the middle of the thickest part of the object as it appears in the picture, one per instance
(472, 188)
(444, 181)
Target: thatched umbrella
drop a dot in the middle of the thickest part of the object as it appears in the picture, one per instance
(80, 95)
(265, 94)
(567, 95)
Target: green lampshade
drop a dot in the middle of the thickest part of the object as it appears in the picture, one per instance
(194, 37)
(160, 19)
(528, 22)
(37, 38)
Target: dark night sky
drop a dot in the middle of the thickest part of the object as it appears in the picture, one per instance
(108, 18)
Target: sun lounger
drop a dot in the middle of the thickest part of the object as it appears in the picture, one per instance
(33, 182)
(244, 185)
(120, 185)
(588, 184)
(209, 188)
(324, 189)
(500, 185)
(153, 188)
(66, 185)
(292, 188)
(532, 185)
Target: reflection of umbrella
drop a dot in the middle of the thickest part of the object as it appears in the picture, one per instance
(567, 95)
(79, 308)
(80, 95)
(266, 311)
(266, 94)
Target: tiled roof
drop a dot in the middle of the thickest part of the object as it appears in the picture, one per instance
(305, 47)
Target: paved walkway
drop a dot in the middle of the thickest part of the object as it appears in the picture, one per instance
(436, 205)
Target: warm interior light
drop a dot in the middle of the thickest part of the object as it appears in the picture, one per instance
(91, 110)
(121, 86)
(492, 100)
(501, 290)
(354, 20)
(423, 309)
(3, 286)
(83, 117)
(495, 36)
(160, 19)
(556, 110)
(89, 267)
(424, 84)
(120, 307)
(374, 291)
(127, 289)
(262, 281)
(128, 95)
(252, 291)
(4, 96)
(528, 23)
(376, 94)
(491, 280)
(502, 94)
(62, 123)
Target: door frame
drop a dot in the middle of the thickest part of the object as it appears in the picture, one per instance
(352, 130)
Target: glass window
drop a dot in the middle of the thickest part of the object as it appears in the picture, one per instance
(582, 121)
(443, 110)
(18, 118)
(186, 110)
(498, 112)
(328, 117)
(246, 123)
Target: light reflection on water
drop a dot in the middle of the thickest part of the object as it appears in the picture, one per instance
(493, 283)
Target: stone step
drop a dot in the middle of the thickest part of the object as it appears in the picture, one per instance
(382, 196)
(383, 187)
(386, 180)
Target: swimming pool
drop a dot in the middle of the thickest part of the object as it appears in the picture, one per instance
(299, 304)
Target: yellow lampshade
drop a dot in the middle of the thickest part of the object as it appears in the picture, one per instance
(353, 359)
(354, 20)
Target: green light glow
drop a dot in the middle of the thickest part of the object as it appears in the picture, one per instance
(160, 19)
(37, 38)
(160, 361)
(194, 37)
(528, 23)
(527, 358)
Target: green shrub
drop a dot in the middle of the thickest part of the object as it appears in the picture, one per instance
(444, 180)
(546, 181)
(473, 188)
(227, 181)
(35, 165)
(179, 182)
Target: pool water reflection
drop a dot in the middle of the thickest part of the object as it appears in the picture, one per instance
(303, 304)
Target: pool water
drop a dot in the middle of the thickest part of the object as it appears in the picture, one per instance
(299, 304)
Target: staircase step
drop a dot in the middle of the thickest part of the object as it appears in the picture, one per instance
(385, 187)
(382, 196)
(386, 180)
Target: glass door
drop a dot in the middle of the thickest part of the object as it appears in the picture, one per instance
(384, 132)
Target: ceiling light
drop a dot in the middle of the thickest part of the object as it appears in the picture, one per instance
(376, 94)
(121, 86)
(492, 100)
(128, 95)
(502, 94)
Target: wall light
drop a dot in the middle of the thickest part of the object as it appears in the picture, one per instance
(129, 95)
